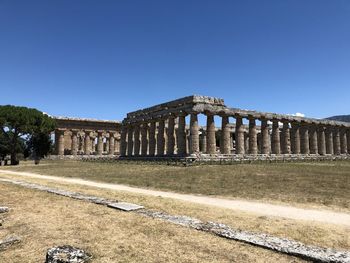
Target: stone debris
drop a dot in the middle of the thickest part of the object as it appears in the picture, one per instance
(4, 209)
(282, 245)
(66, 254)
(125, 206)
(9, 241)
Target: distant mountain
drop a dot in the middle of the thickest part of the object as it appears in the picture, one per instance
(345, 118)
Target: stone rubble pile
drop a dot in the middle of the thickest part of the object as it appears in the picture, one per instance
(67, 254)
(9, 241)
(4, 209)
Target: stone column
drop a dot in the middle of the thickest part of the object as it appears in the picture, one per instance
(313, 140)
(160, 138)
(265, 137)
(211, 140)
(295, 138)
(304, 139)
(321, 140)
(239, 136)
(111, 149)
(99, 142)
(74, 146)
(117, 145)
(130, 140)
(343, 141)
(253, 142)
(123, 143)
(336, 140)
(348, 139)
(329, 140)
(152, 138)
(144, 139)
(275, 141)
(246, 141)
(181, 135)
(171, 136)
(203, 142)
(225, 147)
(194, 134)
(137, 142)
(93, 146)
(285, 138)
(87, 145)
(60, 146)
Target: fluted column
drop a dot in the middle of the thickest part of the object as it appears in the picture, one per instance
(171, 135)
(321, 140)
(111, 149)
(181, 134)
(203, 141)
(74, 146)
(343, 141)
(194, 134)
(336, 140)
(295, 138)
(329, 140)
(313, 140)
(246, 141)
(152, 139)
(253, 141)
(225, 147)
(144, 139)
(130, 140)
(92, 144)
(60, 146)
(99, 142)
(123, 144)
(285, 138)
(160, 138)
(348, 139)
(265, 137)
(117, 145)
(87, 143)
(211, 140)
(137, 142)
(304, 139)
(275, 141)
(239, 136)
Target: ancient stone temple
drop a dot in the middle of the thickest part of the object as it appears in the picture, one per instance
(162, 130)
(86, 137)
(172, 129)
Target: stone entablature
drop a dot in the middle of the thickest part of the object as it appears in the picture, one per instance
(74, 136)
(161, 130)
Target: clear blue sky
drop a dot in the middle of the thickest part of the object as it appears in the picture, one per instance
(101, 59)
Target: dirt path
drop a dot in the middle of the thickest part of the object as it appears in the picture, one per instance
(266, 209)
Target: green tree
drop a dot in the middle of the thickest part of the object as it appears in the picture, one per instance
(22, 122)
(39, 145)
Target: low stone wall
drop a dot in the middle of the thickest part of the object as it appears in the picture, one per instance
(206, 158)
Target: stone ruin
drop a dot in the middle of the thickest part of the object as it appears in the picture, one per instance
(162, 131)
(75, 136)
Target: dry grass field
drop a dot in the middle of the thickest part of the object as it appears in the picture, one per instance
(44, 220)
(321, 183)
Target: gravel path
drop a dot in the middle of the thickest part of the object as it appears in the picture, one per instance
(266, 209)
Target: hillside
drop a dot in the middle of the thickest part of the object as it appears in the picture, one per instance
(345, 118)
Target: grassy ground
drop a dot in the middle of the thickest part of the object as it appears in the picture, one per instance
(322, 183)
(313, 233)
(44, 220)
